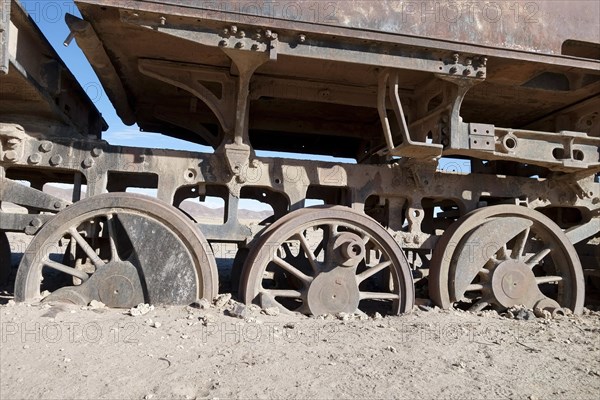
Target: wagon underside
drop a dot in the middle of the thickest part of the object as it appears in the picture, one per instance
(515, 222)
(319, 83)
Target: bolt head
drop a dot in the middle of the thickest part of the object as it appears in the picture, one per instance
(240, 45)
(11, 156)
(223, 43)
(234, 29)
(302, 38)
(58, 205)
(46, 146)
(97, 152)
(88, 163)
(55, 160)
(36, 223)
(35, 158)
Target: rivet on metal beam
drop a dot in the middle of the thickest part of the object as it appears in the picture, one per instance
(55, 160)
(163, 21)
(46, 146)
(88, 163)
(35, 158)
(302, 38)
(10, 156)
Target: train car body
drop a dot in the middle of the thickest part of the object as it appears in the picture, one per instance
(510, 92)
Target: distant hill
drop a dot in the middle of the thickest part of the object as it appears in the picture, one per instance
(195, 209)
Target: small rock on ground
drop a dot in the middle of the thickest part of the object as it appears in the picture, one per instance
(271, 311)
(239, 311)
(202, 304)
(141, 309)
(222, 299)
(95, 305)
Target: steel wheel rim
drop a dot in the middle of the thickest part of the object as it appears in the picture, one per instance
(313, 281)
(5, 258)
(157, 213)
(557, 252)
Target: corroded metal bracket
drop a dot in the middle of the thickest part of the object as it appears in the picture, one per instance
(4, 35)
(189, 77)
(563, 151)
(389, 88)
(92, 47)
(34, 199)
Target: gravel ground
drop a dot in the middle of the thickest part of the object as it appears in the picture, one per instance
(226, 350)
(230, 351)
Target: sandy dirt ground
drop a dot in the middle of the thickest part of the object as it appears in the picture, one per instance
(224, 350)
(66, 352)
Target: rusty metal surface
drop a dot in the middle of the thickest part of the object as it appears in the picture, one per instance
(524, 124)
(4, 35)
(529, 26)
(5, 258)
(115, 260)
(325, 77)
(509, 267)
(333, 275)
(37, 83)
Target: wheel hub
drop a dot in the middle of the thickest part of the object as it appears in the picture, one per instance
(121, 286)
(513, 283)
(349, 249)
(116, 284)
(333, 292)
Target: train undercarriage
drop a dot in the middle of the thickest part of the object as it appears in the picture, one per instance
(518, 224)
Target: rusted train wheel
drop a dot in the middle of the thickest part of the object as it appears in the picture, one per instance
(122, 249)
(5, 258)
(503, 256)
(328, 260)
